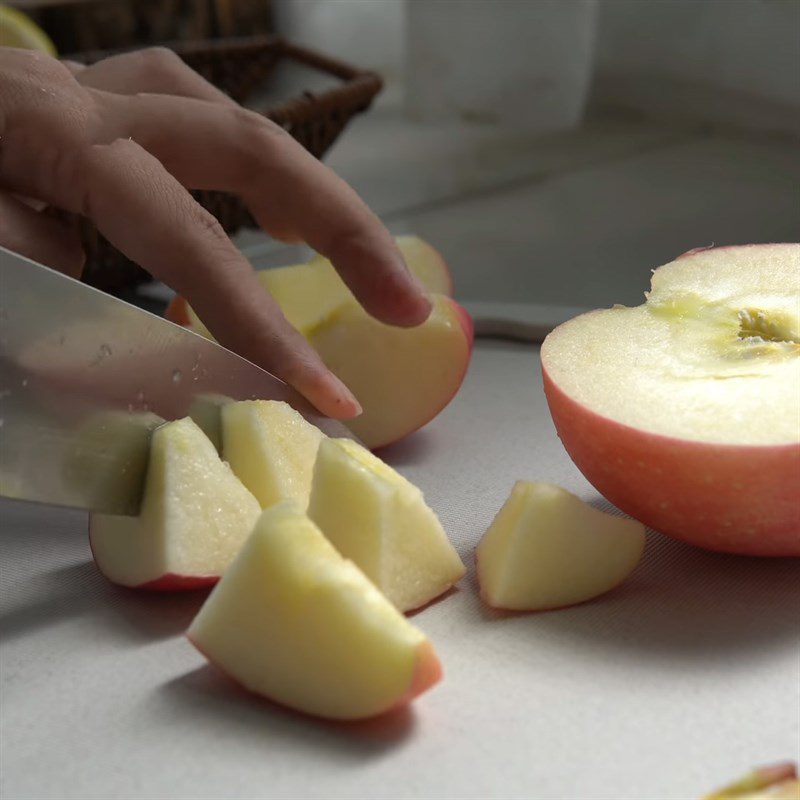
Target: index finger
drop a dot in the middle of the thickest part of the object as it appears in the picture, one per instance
(150, 217)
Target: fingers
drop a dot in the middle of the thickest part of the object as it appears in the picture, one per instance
(151, 218)
(155, 70)
(291, 194)
(44, 239)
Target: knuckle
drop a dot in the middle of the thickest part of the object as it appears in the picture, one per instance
(206, 222)
(256, 132)
(157, 63)
(43, 69)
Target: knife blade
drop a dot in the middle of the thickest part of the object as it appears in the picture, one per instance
(84, 380)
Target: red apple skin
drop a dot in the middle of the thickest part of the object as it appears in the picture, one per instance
(730, 498)
(178, 312)
(427, 672)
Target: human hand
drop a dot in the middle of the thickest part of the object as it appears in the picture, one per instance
(122, 141)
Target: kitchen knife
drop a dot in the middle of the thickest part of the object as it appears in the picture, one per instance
(84, 380)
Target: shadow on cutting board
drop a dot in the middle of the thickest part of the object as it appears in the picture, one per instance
(683, 604)
(81, 591)
(230, 709)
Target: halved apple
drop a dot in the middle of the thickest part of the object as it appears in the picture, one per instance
(379, 520)
(295, 622)
(403, 377)
(547, 549)
(195, 515)
(683, 411)
(271, 448)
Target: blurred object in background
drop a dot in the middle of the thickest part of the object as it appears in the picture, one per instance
(77, 25)
(528, 65)
(368, 32)
(723, 62)
(17, 29)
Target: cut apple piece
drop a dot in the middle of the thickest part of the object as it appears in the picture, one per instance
(683, 411)
(423, 260)
(295, 622)
(271, 448)
(379, 520)
(194, 517)
(113, 447)
(547, 549)
(403, 377)
(774, 782)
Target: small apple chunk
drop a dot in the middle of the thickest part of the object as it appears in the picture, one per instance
(293, 621)
(548, 549)
(379, 520)
(271, 448)
(194, 517)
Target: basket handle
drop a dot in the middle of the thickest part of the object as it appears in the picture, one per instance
(360, 88)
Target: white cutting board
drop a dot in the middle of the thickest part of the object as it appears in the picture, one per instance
(674, 683)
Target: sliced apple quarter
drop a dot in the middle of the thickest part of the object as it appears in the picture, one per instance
(271, 448)
(194, 517)
(295, 622)
(547, 549)
(374, 516)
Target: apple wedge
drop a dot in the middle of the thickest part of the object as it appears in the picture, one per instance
(379, 520)
(194, 517)
(548, 549)
(293, 621)
(271, 448)
(683, 411)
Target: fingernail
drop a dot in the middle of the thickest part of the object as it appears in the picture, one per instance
(345, 399)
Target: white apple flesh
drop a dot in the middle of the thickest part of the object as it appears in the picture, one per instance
(379, 520)
(295, 622)
(547, 549)
(271, 448)
(403, 377)
(194, 517)
(683, 411)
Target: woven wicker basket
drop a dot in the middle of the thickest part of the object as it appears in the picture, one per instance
(239, 67)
